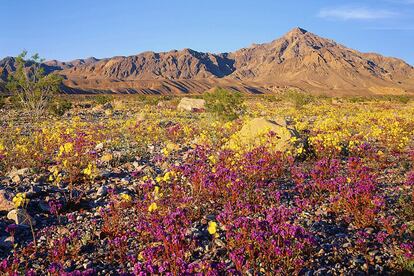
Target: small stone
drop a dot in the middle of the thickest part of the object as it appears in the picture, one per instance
(219, 242)
(309, 273)
(87, 264)
(102, 191)
(378, 259)
(20, 217)
(44, 206)
(33, 191)
(358, 260)
(373, 252)
(341, 235)
(20, 172)
(6, 242)
(16, 179)
(369, 230)
(6, 203)
(321, 271)
(99, 146)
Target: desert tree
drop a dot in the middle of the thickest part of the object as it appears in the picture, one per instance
(33, 88)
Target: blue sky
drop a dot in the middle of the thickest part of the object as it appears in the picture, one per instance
(69, 29)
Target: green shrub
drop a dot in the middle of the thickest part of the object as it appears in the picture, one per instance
(2, 101)
(404, 99)
(272, 98)
(357, 99)
(33, 88)
(298, 99)
(102, 99)
(151, 100)
(406, 207)
(15, 102)
(224, 103)
(60, 107)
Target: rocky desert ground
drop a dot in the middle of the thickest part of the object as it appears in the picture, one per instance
(137, 186)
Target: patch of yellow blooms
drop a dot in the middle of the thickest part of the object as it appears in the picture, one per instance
(20, 200)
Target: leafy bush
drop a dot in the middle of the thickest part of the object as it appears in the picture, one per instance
(402, 99)
(357, 99)
(60, 107)
(299, 99)
(2, 101)
(102, 99)
(226, 104)
(31, 85)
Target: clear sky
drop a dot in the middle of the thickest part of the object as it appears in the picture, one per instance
(70, 29)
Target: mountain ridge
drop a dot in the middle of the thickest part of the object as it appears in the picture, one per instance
(299, 59)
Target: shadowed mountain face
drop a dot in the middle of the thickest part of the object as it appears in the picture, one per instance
(298, 59)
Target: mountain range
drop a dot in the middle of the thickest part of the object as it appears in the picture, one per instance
(299, 59)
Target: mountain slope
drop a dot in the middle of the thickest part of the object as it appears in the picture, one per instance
(308, 61)
(298, 59)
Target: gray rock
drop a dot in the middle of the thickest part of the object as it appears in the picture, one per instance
(102, 191)
(16, 175)
(20, 217)
(33, 191)
(188, 104)
(44, 206)
(6, 242)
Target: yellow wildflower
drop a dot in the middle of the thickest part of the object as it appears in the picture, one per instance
(165, 152)
(88, 170)
(212, 227)
(157, 193)
(167, 177)
(212, 159)
(126, 197)
(68, 147)
(153, 206)
(20, 200)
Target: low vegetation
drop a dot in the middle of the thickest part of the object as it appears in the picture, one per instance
(225, 104)
(121, 187)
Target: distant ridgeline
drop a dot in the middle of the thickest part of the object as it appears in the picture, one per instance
(299, 59)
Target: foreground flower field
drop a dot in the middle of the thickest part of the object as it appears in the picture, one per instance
(136, 188)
